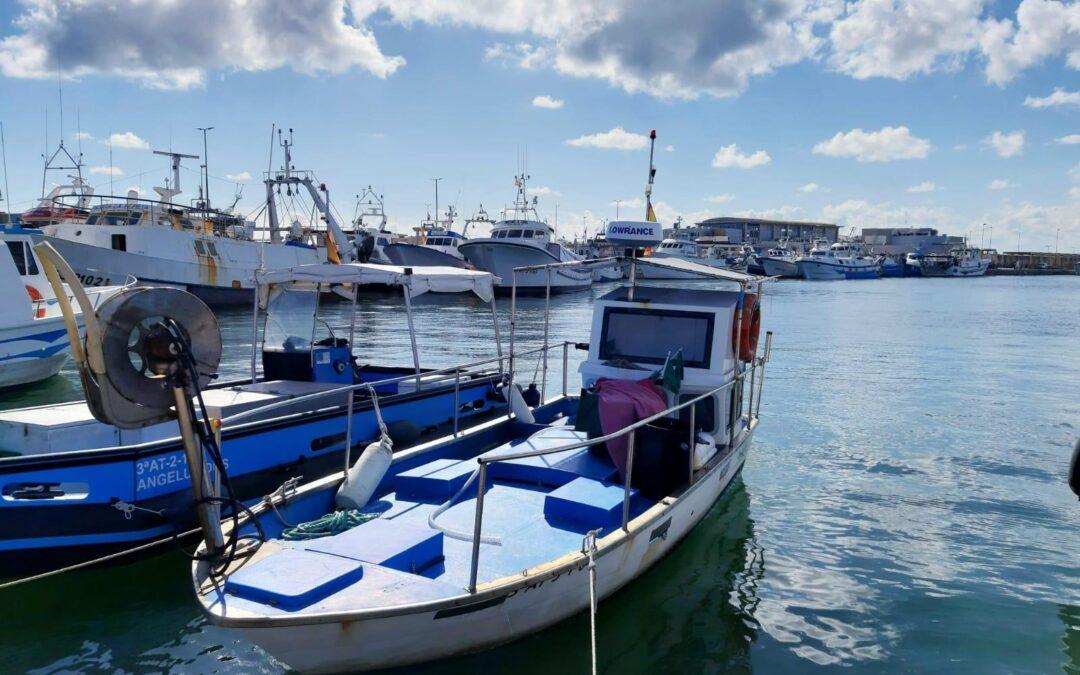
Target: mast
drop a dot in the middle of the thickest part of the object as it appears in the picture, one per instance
(167, 193)
(205, 167)
(650, 215)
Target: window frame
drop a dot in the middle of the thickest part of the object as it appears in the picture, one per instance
(703, 363)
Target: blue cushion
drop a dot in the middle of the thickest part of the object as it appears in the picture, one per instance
(586, 504)
(293, 579)
(398, 545)
(436, 481)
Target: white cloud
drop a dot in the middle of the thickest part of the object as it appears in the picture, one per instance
(107, 170)
(128, 141)
(172, 45)
(861, 213)
(616, 139)
(885, 38)
(1043, 28)
(959, 146)
(669, 148)
(1000, 184)
(1059, 97)
(730, 157)
(547, 102)
(925, 186)
(720, 199)
(523, 55)
(1071, 139)
(810, 187)
(544, 190)
(1074, 192)
(84, 136)
(239, 177)
(884, 145)
(1006, 144)
(786, 212)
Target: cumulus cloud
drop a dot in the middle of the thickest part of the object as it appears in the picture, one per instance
(885, 38)
(720, 199)
(107, 170)
(1042, 28)
(925, 186)
(128, 141)
(615, 139)
(885, 145)
(999, 184)
(730, 157)
(861, 213)
(810, 187)
(547, 102)
(1071, 139)
(172, 45)
(1059, 97)
(83, 136)
(544, 190)
(1006, 144)
(669, 148)
(239, 177)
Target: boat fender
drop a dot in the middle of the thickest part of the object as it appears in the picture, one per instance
(1074, 469)
(531, 395)
(519, 407)
(36, 297)
(364, 476)
(746, 343)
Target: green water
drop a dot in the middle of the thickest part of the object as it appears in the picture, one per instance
(904, 508)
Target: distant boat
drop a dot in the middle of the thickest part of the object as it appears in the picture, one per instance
(839, 261)
(679, 248)
(434, 244)
(779, 262)
(959, 262)
(33, 336)
(521, 239)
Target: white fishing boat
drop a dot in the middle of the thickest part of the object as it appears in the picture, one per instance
(433, 244)
(33, 340)
(522, 239)
(841, 260)
(212, 253)
(369, 235)
(780, 262)
(679, 248)
(959, 262)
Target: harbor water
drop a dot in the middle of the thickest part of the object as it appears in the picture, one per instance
(904, 507)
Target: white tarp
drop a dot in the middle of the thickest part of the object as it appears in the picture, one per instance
(421, 280)
(705, 271)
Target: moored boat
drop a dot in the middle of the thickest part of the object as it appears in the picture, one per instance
(838, 261)
(959, 262)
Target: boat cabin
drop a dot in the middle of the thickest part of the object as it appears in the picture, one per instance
(522, 229)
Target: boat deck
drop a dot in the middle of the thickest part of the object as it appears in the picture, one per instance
(535, 510)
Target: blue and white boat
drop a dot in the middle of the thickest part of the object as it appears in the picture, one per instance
(839, 261)
(434, 244)
(33, 337)
(485, 537)
(779, 262)
(75, 487)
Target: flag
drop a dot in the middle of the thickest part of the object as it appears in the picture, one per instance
(332, 253)
(650, 215)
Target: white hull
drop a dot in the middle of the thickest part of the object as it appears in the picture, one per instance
(498, 612)
(968, 270)
(32, 352)
(817, 271)
(778, 267)
(168, 256)
(501, 257)
(650, 272)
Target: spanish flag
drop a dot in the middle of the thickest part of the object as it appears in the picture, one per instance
(333, 255)
(650, 215)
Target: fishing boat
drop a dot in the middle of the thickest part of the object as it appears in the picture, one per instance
(434, 244)
(76, 487)
(779, 262)
(841, 260)
(522, 239)
(494, 534)
(680, 248)
(33, 340)
(369, 234)
(959, 262)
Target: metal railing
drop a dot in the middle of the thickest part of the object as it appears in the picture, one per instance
(483, 462)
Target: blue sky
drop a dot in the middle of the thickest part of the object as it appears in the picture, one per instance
(867, 114)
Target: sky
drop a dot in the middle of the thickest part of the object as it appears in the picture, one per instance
(962, 115)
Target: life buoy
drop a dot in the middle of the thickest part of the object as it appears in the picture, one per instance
(36, 298)
(751, 326)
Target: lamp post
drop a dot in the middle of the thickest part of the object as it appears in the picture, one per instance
(205, 165)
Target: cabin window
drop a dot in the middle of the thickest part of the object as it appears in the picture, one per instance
(649, 336)
(92, 220)
(290, 320)
(24, 259)
(200, 248)
(212, 248)
(513, 234)
(119, 242)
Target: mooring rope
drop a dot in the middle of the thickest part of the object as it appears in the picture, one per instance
(589, 545)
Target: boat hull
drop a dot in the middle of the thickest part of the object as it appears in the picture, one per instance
(956, 270)
(816, 270)
(34, 352)
(501, 258)
(779, 267)
(415, 255)
(501, 613)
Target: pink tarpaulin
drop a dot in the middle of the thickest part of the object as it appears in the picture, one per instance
(623, 402)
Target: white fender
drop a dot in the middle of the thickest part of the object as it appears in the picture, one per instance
(518, 405)
(704, 450)
(365, 475)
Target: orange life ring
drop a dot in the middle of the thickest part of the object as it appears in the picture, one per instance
(751, 327)
(36, 297)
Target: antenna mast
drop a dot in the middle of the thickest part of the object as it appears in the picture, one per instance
(649, 214)
(205, 168)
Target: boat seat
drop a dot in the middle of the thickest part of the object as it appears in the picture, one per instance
(552, 470)
(584, 504)
(434, 482)
(293, 579)
(405, 547)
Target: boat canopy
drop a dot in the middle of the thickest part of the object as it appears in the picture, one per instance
(419, 280)
(692, 267)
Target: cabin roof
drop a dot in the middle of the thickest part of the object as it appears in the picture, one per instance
(686, 297)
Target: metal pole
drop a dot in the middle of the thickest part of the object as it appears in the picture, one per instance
(348, 431)
(201, 488)
(477, 527)
(633, 274)
(693, 440)
(547, 323)
(761, 380)
(565, 360)
(255, 328)
(457, 402)
(412, 335)
(513, 320)
(626, 484)
(738, 360)
(498, 337)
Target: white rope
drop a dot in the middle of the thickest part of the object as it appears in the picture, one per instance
(458, 534)
(589, 544)
(128, 509)
(282, 491)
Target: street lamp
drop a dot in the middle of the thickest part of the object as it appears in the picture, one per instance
(205, 165)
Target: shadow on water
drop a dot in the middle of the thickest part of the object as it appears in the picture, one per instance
(692, 613)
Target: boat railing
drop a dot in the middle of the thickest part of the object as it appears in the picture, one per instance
(752, 415)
